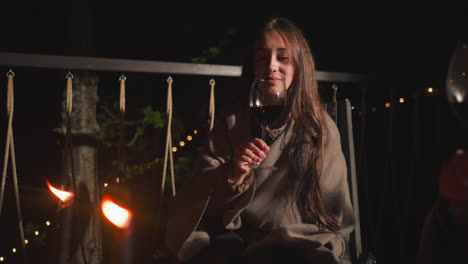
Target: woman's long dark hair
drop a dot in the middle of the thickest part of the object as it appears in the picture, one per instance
(306, 109)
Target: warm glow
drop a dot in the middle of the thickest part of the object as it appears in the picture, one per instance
(47, 223)
(64, 196)
(1, 259)
(195, 132)
(464, 73)
(117, 180)
(402, 100)
(174, 149)
(189, 138)
(430, 89)
(387, 105)
(26, 241)
(14, 250)
(36, 233)
(116, 214)
(106, 184)
(182, 143)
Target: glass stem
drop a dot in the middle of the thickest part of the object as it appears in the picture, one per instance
(263, 132)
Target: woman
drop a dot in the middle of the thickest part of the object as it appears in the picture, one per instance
(229, 212)
(444, 234)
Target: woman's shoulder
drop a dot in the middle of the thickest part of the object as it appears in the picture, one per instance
(331, 130)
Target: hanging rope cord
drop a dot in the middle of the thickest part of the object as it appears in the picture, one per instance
(121, 151)
(168, 151)
(212, 103)
(10, 149)
(68, 134)
(69, 144)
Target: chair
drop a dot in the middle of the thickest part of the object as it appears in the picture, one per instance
(340, 112)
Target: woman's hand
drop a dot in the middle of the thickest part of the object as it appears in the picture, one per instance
(252, 152)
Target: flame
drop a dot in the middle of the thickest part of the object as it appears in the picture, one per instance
(116, 214)
(64, 196)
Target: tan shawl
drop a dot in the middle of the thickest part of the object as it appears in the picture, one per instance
(264, 206)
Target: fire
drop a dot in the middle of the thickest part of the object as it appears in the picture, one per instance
(64, 196)
(117, 215)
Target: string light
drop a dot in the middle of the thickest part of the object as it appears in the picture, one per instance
(195, 132)
(106, 184)
(387, 105)
(401, 100)
(189, 138)
(182, 143)
(430, 90)
(174, 149)
(14, 250)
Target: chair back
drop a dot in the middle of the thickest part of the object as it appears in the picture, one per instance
(340, 112)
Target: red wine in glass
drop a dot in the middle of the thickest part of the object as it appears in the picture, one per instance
(267, 100)
(267, 114)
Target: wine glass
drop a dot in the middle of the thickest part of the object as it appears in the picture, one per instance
(267, 100)
(457, 83)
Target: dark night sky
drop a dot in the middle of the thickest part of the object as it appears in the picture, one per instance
(373, 38)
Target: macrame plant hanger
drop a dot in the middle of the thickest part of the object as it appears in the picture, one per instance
(10, 150)
(69, 150)
(168, 151)
(121, 150)
(212, 103)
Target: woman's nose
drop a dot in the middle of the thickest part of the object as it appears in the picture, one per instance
(273, 65)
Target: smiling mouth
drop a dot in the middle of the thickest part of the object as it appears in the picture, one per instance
(272, 77)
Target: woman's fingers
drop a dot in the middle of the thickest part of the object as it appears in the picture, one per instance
(253, 152)
(256, 150)
(260, 144)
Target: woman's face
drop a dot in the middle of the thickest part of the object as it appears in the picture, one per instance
(272, 56)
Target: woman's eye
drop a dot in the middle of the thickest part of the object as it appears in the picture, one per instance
(282, 58)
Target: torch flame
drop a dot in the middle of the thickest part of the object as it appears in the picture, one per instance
(64, 196)
(116, 214)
